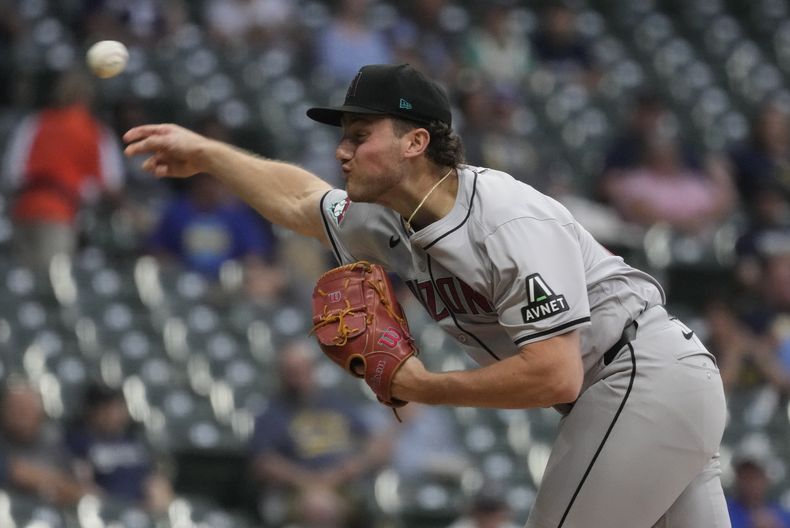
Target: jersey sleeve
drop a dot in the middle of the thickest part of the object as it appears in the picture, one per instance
(539, 281)
(346, 227)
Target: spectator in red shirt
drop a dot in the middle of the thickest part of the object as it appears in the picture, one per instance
(58, 158)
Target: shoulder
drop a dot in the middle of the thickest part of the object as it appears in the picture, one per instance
(345, 216)
(498, 199)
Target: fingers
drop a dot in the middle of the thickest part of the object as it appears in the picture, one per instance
(151, 163)
(156, 166)
(139, 132)
(146, 138)
(166, 146)
(139, 147)
(162, 170)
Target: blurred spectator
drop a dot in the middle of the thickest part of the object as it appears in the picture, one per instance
(766, 277)
(779, 273)
(559, 47)
(56, 160)
(762, 175)
(112, 454)
(498, 49)
(141, 22)
(34, 457)
(262, 22)
(310, 447)
(490, 139)
(348, 42)
(427, 444)
(421, 39)
(762, 168)
(747, 359)
(662, 188)
(207, 225)
(748, 503)
(26, 476)
(487, 510)
(648, 115)
(756, 249)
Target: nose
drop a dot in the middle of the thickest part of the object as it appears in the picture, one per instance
(343, 152)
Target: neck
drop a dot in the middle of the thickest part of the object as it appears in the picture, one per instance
(433, 201)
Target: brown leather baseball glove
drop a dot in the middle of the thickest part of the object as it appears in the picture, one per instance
(360, 325)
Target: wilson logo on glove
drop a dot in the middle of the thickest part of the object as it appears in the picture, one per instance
(390, 338)
(360, 325)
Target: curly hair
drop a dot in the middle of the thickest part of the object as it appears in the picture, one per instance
(445, 148)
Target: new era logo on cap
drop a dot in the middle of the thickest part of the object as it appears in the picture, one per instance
(394, 90)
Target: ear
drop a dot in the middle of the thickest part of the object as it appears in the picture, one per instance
(415, 142)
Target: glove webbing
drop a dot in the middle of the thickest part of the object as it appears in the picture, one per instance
(342, 329)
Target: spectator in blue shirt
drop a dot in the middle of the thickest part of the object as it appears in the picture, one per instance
(748, 504)
(33, 458)
(205, 227)
(112, 453)
(310, 443)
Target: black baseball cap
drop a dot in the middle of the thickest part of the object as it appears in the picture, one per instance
(395, 90)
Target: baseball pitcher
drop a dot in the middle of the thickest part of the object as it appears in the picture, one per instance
(552, 318)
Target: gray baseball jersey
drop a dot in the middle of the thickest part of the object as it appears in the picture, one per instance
(509, 266)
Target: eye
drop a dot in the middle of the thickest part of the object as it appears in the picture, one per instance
(358, 137)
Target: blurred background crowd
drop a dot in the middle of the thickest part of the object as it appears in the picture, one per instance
(153, 355)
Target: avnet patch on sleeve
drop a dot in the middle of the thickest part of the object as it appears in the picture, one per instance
(542, 301)
(540, 289)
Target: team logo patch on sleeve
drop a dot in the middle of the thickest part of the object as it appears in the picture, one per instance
(542, 301)
(338, 210)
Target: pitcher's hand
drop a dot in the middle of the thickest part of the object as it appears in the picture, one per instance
(174, 151)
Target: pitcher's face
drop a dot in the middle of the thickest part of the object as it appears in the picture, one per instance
(371, 157)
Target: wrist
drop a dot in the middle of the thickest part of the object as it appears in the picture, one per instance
(211, 155)
(412, 383)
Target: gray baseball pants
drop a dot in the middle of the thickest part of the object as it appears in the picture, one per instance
(639, 449)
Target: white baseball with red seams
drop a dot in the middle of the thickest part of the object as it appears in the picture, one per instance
(107, 58)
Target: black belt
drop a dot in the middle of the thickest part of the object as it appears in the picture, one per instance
(629, 333)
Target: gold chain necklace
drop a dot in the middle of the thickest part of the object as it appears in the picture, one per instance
(435, 185)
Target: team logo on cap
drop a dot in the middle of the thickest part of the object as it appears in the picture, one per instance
(352, 88)
(542, 301)
(404, 104)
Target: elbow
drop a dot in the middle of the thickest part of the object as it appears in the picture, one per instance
(567, 385)
(567, 391)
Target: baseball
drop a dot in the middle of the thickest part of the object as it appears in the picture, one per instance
(107, 58)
